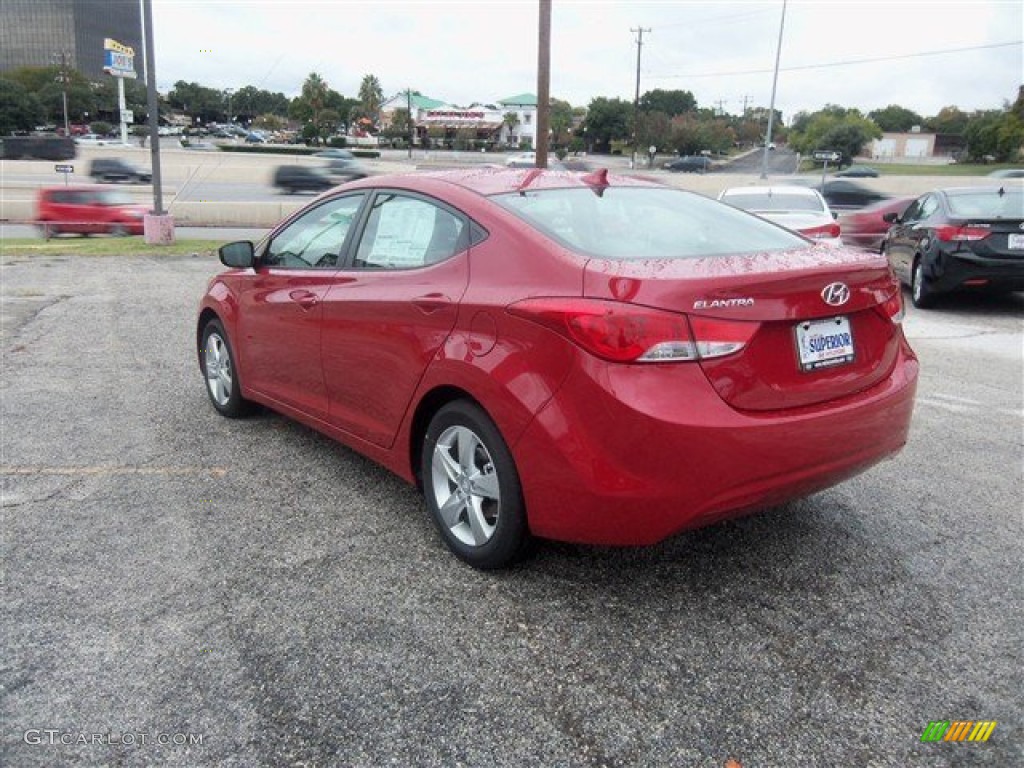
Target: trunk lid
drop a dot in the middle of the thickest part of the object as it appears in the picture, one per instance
(847, 347)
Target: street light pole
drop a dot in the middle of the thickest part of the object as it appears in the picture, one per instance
(771, 107)
(636, 98)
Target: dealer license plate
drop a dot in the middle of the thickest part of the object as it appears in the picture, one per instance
(1016, 242)
(824, 343)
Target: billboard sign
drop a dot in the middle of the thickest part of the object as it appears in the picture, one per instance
(118, 59)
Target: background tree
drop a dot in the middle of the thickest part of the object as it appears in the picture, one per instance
(561, 122)
(370, 97)
(20, 110)
(654, 129)
(44, 83)
(511, 121)
(268, 122)
(671, 103)
(197, 101)
(249, 102)
(949, 120)
(608, 120)
(895, 118)
(836, 128)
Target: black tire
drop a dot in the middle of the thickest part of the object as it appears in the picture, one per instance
(920, 293)
(223, 387)
(486, 526)
(118, 230)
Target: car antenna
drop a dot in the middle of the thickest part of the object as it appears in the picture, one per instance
(529, 179)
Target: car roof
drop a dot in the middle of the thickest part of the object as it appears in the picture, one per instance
(488, 181)
(794, 190)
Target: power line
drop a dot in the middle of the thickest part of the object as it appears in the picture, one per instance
(842, 63)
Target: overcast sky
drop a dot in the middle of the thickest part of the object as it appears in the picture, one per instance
(967, 54)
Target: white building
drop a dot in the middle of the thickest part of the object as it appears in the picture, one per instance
(524, 107)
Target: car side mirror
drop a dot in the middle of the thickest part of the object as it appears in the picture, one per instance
(239, 255)
(891, 217)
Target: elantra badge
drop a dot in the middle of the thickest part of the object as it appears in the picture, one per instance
(835, 294)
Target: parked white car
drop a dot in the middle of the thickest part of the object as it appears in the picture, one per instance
(93, 139)
(796, 208)
(522, 160)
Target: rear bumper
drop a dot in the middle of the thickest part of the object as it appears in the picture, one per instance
(624, 455)
(952, 270)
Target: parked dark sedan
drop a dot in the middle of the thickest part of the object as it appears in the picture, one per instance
(302, 178)
(959, 239)
(689, 164)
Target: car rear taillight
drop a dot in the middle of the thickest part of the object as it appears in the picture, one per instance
(951, 234)
(626, 333)
(824, 231)
(892, 307)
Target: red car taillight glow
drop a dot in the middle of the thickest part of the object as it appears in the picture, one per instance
(822, 232)
(626, 333)
(950, 234)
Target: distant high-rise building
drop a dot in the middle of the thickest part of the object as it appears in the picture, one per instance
(34, 33)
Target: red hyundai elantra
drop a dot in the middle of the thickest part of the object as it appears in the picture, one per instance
(579, 357)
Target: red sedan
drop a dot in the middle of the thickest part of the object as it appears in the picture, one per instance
(588, 358)
(87, 211)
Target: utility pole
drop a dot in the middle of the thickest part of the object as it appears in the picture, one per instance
(771, 107)
(746, 98)
(64, 89)
(543, 83)
(721, 107)
(154, 114)
(636, 97)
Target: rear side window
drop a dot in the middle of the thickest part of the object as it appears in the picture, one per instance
(407, 232)
(645, 223)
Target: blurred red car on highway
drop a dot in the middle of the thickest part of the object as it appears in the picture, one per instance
(580, 357)
(87, 210)
(866, 227)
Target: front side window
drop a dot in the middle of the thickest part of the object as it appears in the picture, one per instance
(646, 223)
(314, 240)
(406, 232)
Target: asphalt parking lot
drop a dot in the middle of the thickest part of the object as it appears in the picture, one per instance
(184, 590)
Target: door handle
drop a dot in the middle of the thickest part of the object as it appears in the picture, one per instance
(305, 299)
(432, 302)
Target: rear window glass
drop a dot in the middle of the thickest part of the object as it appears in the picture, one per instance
(645, 223)
(749, 201)
(988, 204)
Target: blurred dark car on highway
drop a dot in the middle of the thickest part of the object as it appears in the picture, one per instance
(842, 194)
(858, 171)
(970, 238)
(88, 210)
(689, 164)
(112, 169)
(866, 227)
(1008, 173)
(302, 178)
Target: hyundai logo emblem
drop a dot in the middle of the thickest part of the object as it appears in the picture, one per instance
(835, 294)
